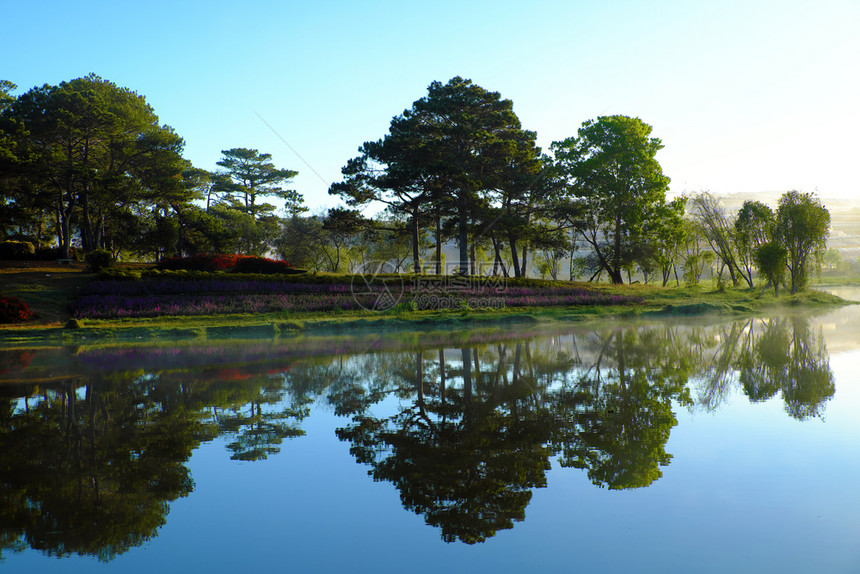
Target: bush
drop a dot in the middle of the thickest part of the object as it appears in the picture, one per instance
(228, 262)
(262, 265)
(17, 250)
(13, 310)
(205, 262)
(99, 259)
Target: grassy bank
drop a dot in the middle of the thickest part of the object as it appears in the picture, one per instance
(51, 291)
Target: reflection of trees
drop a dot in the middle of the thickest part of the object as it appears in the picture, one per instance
(89, 466)
(777, 355)
(792, 359)
(91, 470)
(619, 414)
(466, 451)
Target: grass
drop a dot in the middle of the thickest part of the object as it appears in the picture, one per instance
(49, 289)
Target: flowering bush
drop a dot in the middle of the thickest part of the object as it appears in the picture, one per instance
(13, 310)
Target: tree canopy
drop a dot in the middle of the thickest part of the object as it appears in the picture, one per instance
(611, 169)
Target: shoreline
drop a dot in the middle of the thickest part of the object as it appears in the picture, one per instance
(48, 288)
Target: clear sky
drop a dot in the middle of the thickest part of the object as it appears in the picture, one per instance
(747, 96)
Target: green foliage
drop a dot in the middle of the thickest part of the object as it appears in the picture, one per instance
(89, 152)
(17, 250)
(98, 259)
(250, 174)
(770, 259)
(611, 170)
(802, 227)
(447, 156)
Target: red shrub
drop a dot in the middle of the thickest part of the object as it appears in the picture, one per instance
(227, 262)
(13, 310)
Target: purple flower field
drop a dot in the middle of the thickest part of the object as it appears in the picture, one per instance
(171, 297)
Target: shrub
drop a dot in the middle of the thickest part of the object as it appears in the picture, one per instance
(17, 250)
(262, 265)
(13, 310)
(204, 262)
(228, 262)
(99, 259)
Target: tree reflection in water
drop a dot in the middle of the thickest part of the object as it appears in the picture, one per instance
(90, 463)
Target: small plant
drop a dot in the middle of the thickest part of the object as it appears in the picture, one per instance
(13, 310)
(99, 259)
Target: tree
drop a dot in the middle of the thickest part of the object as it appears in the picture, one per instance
(802, 227)
(753, 228)
(250, 174)
(770, 259)
(719, 230)
(611, 169)
(450, 151)
(90, 150)
(301, 242)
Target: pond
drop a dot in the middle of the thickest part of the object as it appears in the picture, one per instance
(674, 446)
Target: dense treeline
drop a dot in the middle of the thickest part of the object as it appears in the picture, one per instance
(86, 164)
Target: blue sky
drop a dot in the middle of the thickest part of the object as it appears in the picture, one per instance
(747, 96)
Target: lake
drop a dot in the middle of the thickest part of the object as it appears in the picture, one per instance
(672, 445)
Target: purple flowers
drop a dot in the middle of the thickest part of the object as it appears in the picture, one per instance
(154, 297)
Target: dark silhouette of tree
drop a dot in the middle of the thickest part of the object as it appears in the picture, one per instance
(467, 456)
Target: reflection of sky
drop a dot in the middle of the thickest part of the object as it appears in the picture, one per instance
(749, 489)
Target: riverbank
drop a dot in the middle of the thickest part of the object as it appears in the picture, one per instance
(50, 289)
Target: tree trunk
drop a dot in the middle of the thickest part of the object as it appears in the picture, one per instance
(416, 258)
(438, 243)
(472, 258)
(463, 228)
(514, 256)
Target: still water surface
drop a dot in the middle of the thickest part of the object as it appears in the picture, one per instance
(660, 446)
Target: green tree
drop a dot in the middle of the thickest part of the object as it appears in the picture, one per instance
(249, 174)
(450, 151)
(301, 242)
(753, 228)
(718, 228)
(91, 150)
(802, 227)
(611, 169)
(770, 258)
